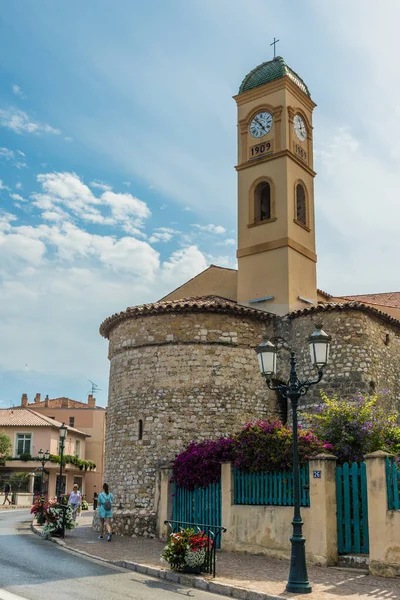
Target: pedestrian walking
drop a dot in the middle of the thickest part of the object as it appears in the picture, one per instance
(7, 492)
(75, 500)
(104, 511)
(95, 498)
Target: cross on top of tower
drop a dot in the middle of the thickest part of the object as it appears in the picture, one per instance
(274, 45)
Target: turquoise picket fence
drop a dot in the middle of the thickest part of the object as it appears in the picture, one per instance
(393, 484)
(201, 505)
(352, 509)
(270, 488)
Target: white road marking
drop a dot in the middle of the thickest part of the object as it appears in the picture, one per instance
(5, 595)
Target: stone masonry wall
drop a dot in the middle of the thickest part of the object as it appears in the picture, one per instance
(364, 356)
(194, 376)
(186, 377)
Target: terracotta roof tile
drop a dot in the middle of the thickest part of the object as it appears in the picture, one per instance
(25, 417)
(390, 299)
(343, 306)
(57, 403)
(195, 304)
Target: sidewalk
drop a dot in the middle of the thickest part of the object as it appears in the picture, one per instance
(245, 571)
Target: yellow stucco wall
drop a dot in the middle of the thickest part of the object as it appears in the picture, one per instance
(214, 281)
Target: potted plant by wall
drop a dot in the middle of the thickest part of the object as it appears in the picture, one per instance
(39, 509)
(187, 550)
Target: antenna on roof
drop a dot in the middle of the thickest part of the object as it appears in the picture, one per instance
(94, 389)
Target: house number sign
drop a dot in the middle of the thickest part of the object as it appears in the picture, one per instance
(317, 474)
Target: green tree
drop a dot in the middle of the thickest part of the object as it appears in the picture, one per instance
(5, 446)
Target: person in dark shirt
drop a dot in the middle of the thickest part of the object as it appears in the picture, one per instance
(7, 492)
(95, 496)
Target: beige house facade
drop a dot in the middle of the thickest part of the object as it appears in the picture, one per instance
(85, 416)
(29, 433)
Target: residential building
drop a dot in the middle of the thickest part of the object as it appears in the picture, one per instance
(85, 416)
(30, 432)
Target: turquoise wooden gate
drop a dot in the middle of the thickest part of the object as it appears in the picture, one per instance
(202, 505)
(352, 509)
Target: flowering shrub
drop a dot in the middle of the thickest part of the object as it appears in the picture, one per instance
(38, 507)
(259, 446)
(84, 505)
(54, 515)
(200, 464)
(50, 513)
(268, 446)
(356, 427)
(186, 548)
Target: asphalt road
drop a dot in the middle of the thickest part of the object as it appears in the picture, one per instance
(35, 569)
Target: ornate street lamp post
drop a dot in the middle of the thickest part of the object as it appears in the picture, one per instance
(44, 457)
(293, 390)
(63, 434)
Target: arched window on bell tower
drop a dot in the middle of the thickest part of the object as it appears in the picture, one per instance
(262, 202)
(301, 205)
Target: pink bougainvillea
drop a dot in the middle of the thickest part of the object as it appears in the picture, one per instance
(259, 446)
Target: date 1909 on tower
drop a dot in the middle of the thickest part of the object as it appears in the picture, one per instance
(300, 152)
(260, 150)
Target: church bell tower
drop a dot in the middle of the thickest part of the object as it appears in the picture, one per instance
(276, 226)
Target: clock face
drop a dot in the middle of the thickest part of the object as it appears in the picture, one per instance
(261, 124)
(299, 128)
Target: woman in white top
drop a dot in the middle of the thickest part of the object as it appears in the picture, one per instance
(75, 500)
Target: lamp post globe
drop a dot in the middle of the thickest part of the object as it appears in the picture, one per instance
(266, 354)
(319, 343)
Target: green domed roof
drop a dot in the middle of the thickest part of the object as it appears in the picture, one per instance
(269, 71)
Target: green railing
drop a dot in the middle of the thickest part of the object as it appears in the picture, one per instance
(270, 488)
(393, 484)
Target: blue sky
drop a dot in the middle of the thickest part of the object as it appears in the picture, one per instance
(117, 146)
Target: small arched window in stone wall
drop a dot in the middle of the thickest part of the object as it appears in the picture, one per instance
(140, 433)
(372, 387)
(301, 204)
(262, 202)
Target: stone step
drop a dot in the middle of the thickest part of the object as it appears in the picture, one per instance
(354, 561)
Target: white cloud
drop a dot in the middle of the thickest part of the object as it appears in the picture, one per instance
(10, 156)
(19, 122)
(162, 234)
(18, 185)
(16, 197)
(182, 265)
(227, 242)
(357, 203)
(68, 139)
(100, 185)
(59, 282)
(17, 91)
(7, 154)
(66, 192)
(218, 229)
(127, 183)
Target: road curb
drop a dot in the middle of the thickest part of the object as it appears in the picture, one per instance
(199, 583)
